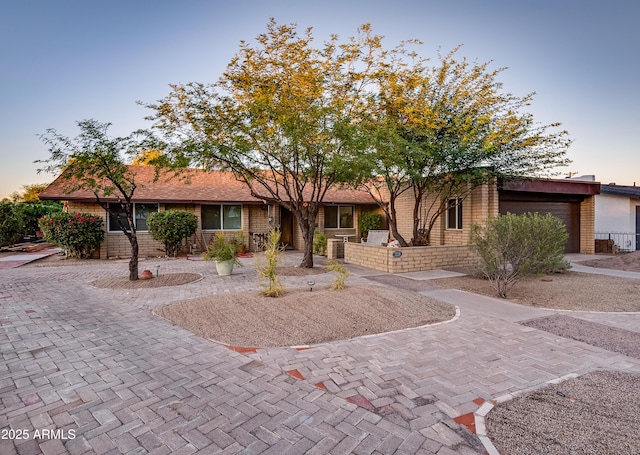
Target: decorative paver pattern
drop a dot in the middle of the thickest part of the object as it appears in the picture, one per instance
(99, 368)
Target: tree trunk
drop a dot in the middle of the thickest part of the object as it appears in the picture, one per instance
(133, 240)
(419, 238)
(307, 221)
(133, 262)
(390, 211)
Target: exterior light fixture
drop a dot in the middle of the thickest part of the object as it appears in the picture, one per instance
(157, 266)
(311, 283)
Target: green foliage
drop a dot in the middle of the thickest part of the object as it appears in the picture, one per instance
(221, 249)
(78, 233)
(368, 221)
(269, 268)
(512, 247)
(319, 243)
(96, 162)
(443, 129)
(284, 117)
(170, 227)
(10, 225)
(341, 274)
(30, 213)
(30, 193)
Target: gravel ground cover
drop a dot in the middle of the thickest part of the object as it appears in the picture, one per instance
(562, 291)
(596, 413)
(603, 336)
(629, 262)
(302, 317)
(167, 279)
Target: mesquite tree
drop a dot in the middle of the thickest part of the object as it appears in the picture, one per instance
(96, 162)
(284, 117)
(442, 130)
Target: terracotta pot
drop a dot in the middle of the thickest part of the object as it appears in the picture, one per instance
(146, 275)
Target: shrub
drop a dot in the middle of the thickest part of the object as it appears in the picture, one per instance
(170, 227)
(512, 247)
(30, 212)
(341, 274)
(221, 249)
(10, 226)
(368, 221)
(319, 243)
(78, 233)
(269, 268)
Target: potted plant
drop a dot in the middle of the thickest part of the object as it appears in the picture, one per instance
(223, 252)
(241, 242)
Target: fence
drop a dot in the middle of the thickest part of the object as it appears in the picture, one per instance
(617, 242)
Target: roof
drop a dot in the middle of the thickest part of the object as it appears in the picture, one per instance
(556, 186)
(632, 192)
(190, 186)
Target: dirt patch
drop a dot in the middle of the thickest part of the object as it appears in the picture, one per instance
(593, 414)
(562, 291)
(629, 262)
(302, 317)
(168, 279)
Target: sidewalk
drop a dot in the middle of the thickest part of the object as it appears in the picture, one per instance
(99, 363)
(18, 259)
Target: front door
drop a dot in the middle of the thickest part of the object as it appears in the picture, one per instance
(286, 228)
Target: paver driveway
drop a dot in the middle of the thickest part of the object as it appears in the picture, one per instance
(104, 375)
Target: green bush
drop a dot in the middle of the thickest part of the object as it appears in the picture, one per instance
(78, 233)
(368, 221)
(512, 247)
(319, 243)
(30, 212)
(10, 225)
(170, 227)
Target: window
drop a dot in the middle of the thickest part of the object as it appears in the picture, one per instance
(140, 214)
(221, 216)
(454, 213)
(338, 217)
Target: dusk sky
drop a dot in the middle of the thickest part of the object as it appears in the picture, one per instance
(64, 61)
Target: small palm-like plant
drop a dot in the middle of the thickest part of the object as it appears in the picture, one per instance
(268, 268)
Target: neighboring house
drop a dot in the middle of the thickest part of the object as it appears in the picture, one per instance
(224, 204)
(221, 204)
(618, 218)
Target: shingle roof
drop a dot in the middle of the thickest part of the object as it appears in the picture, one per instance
(621, 190)
(190, 186)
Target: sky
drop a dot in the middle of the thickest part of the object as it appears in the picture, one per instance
(62, 61)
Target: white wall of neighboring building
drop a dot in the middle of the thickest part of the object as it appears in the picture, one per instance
(616, 220)
(615, 214)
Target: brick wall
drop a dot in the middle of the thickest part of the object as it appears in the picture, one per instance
(411, 259)
(587, 226)
(476, 208)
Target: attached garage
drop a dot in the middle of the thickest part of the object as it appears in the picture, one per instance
(571, 201)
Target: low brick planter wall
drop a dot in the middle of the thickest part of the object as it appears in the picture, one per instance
(409, 259)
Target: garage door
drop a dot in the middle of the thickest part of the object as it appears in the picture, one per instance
(568, 212)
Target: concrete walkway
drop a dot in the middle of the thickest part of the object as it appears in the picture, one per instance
(19, 259)
(94, 371)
